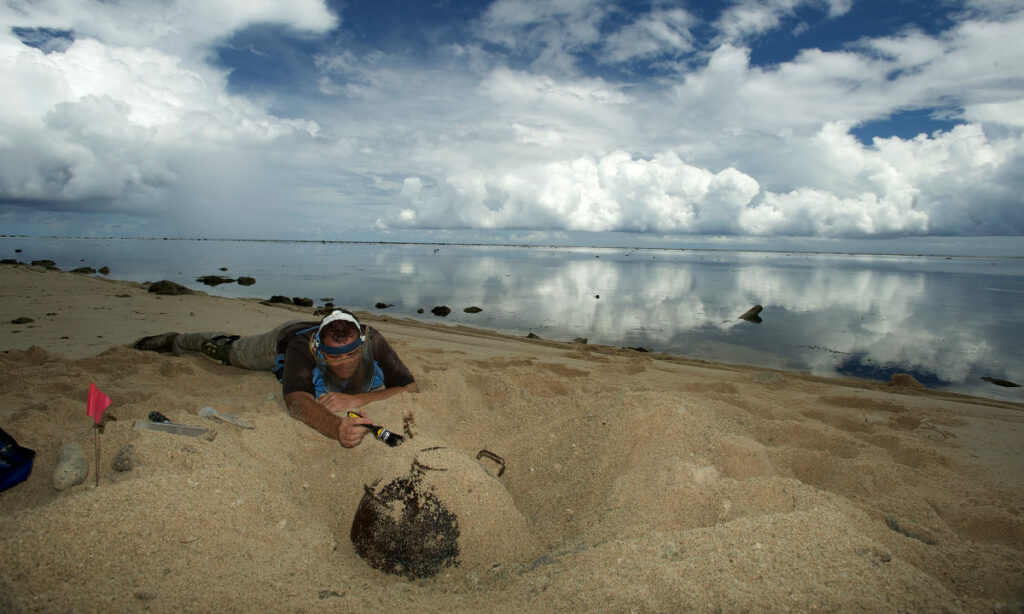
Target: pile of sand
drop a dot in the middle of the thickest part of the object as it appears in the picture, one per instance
(645, 483)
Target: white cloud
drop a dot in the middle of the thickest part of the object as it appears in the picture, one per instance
(661, 32)
(111, 123)
(181, 27)
(749, 19)
(550, 31)
(509, 130)
(896, 186)
(558, 33)
(615, 192)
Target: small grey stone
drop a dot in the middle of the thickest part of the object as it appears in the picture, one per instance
(71, 468)
(125, 459)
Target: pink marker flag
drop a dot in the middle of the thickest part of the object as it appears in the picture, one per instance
(97, 403)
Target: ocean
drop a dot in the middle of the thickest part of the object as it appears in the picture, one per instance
(946, 320)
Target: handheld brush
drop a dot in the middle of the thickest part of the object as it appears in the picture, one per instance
(381, 433)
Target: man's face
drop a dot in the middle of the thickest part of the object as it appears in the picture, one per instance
(344, 365)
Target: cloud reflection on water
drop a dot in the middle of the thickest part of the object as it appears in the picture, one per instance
(947, 321)
(864, 316)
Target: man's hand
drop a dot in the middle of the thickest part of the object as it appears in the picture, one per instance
(352, 430)
(302, 406)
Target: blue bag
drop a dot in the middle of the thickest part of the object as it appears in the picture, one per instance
(15, 461)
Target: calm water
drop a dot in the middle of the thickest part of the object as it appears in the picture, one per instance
(947, 321)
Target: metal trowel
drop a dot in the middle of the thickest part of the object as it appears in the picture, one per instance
(159, 422)
(213, 414)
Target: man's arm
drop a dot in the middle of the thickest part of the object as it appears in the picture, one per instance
(338, 402)
(348, 431)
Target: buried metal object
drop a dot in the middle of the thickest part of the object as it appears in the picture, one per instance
(445, 511)
(403, 528)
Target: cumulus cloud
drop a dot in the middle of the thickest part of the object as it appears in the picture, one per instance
(179, 27)
(111, 122)
(952, 183)
(615, 192)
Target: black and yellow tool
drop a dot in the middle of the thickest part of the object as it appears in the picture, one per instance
(380, 432)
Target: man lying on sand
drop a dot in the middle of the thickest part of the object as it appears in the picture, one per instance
(326, 368)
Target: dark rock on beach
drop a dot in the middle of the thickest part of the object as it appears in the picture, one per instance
(49, 264)
(441, 310)
(581, 340)
(284, 300)
(384, 305)
(246, 281)
(84, 269)
(473, 309)
(752, 314)
(168, 288)
(532, 336)
(105, 270)
(215, 280)
(420, 310)
(1000, 382)
(302, 301)
(22, 320)
(905, 380)
(9, 261)
(638, 349)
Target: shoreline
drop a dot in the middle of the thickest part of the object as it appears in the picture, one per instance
(8, 340)
(634, 482)
(818, 327)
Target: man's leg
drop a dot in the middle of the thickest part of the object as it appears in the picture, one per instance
(257, 352)
(193, 342)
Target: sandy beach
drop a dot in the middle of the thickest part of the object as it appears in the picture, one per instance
(635, 482)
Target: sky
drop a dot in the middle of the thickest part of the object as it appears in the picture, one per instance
(536, 121)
